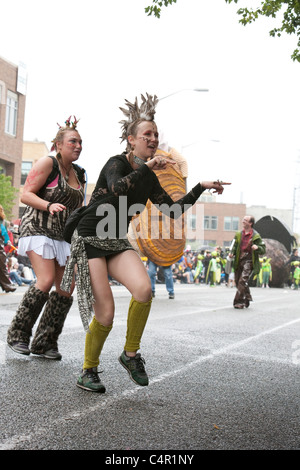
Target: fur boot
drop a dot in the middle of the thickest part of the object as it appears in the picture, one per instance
(50, 326)
(28, 311)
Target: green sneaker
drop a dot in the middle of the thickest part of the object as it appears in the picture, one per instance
(89, 380)
(135, 368)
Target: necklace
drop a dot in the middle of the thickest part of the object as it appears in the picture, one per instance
(138, 160)
(67, 173)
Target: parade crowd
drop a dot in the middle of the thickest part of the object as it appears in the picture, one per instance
(15, 270)
(211, 267)
(208, 266)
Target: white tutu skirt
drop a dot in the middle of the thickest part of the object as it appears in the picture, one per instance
(45, 247)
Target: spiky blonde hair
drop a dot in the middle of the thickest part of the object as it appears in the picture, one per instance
(136, 114)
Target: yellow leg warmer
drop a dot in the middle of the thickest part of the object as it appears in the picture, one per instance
(94, 341)
(136, 321)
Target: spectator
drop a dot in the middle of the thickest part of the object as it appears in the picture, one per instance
(266, 272)
(168, 274)
(14, 274)
(5, 283)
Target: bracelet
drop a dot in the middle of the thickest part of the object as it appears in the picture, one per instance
(48, 206)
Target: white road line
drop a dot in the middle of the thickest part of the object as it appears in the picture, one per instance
(224, 350)
(11, 443)
(118, 322)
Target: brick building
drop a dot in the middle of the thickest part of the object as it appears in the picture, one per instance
(12, 111)
(31, 153)
(210, 223)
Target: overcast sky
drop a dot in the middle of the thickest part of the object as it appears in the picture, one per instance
(86, 57)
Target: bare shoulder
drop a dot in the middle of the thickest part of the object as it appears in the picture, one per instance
(44, 163)
(38, 174)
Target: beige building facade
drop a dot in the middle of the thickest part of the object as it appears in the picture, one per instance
(211, 224)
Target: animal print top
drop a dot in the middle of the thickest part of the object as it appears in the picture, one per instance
(39, 222)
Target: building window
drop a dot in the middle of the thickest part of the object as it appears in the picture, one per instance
(11, 113)
(192, 222)
(231, 223)
(210, 222)
(26, 167)
(207, 197)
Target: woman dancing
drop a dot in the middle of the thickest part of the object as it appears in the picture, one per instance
(53, 189)
(101, 249)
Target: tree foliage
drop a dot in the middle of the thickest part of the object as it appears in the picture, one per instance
(290, 22)
(155, 9)
(7, 194)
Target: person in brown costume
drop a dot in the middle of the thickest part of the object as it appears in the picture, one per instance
(53, 189)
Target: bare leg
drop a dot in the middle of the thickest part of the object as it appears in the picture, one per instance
(104, 303)
(48, 272)
(128, 269)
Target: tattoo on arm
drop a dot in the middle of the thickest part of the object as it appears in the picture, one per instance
(32, 179)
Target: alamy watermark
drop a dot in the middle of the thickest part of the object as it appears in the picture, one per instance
(167, 222)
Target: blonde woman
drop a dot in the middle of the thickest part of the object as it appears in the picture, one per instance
(53, 189)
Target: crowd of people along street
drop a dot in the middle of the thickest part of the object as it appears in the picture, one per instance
(209, 266)
(212, 267)
(15, 270)
(206, 267)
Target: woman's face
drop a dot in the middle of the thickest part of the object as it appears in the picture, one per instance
(71, 145)
(145, 143)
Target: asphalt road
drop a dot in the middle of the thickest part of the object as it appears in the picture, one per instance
(220, 379)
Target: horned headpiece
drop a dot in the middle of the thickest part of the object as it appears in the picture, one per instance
(134, 113)
(69, 125)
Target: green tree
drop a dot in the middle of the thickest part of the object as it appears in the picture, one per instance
(290, 20)
(155, 9)
(7, 194)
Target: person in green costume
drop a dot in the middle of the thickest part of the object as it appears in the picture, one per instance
(212, 270)
(296, 274)
(199, 268)
(247, 247)
(266, 271)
